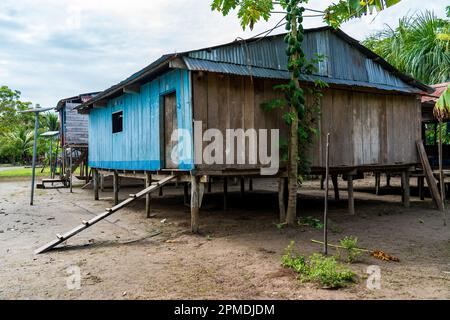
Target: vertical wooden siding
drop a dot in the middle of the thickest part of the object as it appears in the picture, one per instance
(138, 146)
(366, 128)
(75, 125)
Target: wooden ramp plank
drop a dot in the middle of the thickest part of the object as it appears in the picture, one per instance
(86, 224)
(431, 181)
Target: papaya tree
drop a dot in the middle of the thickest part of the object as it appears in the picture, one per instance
(441, 112)
(249, 13)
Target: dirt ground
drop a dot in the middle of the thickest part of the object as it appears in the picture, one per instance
(236, 256)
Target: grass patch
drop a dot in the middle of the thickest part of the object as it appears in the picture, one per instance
(23, 172)
(320, 269)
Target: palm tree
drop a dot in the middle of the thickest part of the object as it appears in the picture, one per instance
(18, 143)
(51, 121)
(419, 46)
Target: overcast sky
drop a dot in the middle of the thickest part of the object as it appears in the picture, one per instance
(52, 49)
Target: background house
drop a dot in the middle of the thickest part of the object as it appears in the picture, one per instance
(430, 131)
(73, 136)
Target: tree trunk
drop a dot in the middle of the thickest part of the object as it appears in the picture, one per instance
(441, 173)
(291, 210)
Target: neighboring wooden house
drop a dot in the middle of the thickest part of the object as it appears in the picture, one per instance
(371, 110)
(430, 127)
(73, 135)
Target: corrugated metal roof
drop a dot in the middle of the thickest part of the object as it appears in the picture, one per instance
(432, 98)
(229, 68)
(347, 62)
(343, 60)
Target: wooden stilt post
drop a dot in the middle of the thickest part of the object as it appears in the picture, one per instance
(116, 187)
(102, 183)
(405, 187)
(325, 209)
(351, 199)
(186, 193)
(388, 179)
(250, 184)
(95, 179)
(87, 172)
(420, 185)
(225, 193)
(161, 193)
(322, 182)
(334, 178)
(281, 203)
(242, 187)
(209, 184)
(82, 169)
(148, 183)
(377, 183)
(195, 207)
(70, 170)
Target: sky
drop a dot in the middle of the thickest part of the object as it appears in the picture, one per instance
(53, 49)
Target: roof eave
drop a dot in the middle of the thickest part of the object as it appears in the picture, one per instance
(135, 78)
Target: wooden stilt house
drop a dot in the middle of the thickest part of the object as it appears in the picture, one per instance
(371, 110)
(430, 126)
(73, 136)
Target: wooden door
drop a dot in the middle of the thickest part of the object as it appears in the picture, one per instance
(170, 125)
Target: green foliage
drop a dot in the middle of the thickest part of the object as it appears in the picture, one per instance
(419, 46)
(249, 11)
(344, 10)
(432, 133)
(320, 269)
(311, 222)
(17, 128)
(442, 107)
(350, 244)
(10, 107)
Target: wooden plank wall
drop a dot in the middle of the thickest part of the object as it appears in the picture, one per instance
(138, 147)
(366, 128)
(75, 126)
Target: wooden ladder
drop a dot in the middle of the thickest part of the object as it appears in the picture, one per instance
(431, 181)
(109, 211)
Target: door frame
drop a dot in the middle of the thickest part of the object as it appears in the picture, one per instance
(162, 125)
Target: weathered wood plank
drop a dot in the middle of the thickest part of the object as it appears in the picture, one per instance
(431, 181)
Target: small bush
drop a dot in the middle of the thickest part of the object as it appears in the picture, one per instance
(318, 268)
(350, 244)
(312, 222)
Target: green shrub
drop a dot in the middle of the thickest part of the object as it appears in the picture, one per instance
(350, 245)
(312, 222)
(318, 268)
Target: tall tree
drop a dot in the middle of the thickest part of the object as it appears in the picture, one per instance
(250, 12)
(419, 46)
(10, 107)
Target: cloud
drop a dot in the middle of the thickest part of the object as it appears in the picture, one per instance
(51, 49)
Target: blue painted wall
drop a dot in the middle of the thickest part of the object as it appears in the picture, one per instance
(137, 147)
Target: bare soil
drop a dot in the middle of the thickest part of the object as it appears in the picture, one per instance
(236, 256)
